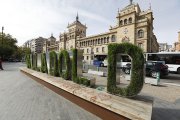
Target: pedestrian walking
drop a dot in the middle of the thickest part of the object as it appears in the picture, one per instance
(1, 64)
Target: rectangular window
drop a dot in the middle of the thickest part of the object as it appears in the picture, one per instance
(140, 45)
(97, 50)
(113, 38)
(92, 50)
(87, 57)
(102, 49)
(92, 58)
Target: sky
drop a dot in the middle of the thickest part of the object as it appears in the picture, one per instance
(28, 19)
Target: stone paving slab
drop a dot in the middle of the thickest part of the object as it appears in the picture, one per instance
(166, 105)
(132, 109)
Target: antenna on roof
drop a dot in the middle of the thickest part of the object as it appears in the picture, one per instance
(150, 6)
(77, 17)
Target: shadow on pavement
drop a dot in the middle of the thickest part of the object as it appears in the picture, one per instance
(165, 114)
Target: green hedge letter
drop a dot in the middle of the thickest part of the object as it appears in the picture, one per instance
(34, 61)
(53, 64)
(28, 61)
(74, 66)
(64, 60)
(44, 68)
(137, 74)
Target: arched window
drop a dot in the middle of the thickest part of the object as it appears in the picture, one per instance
(102, 49)
(130, 20)
(125, 21)
(80, 44)
(88, 43)
(101, 40)
(107, 39)
(113, 38)
(121, 22)
(141, 45)
(98, 41)
(140, 34)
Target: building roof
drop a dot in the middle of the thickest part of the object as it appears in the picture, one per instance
(76, 22)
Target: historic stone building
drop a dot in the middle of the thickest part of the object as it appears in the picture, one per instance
(177, 44)
(76, 30)
(51, 44)
(133, 26)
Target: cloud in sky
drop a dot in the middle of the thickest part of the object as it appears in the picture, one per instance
(27, 19)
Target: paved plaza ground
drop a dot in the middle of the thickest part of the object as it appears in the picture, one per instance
(24, 99)
(166, 97)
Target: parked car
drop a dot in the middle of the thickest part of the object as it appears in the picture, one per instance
(151, 67)
(127, 68)
(98, 63)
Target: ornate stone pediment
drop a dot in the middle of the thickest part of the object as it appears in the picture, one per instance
(125, 39)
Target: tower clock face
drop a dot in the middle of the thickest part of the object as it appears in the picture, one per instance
(125, 30)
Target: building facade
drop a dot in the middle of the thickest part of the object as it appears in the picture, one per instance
(133, 26)
(76, 30)
(51, 44)
(36, 45)
(177, 44)
(164, 47)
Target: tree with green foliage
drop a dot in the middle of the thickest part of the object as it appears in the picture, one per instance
(7, 45)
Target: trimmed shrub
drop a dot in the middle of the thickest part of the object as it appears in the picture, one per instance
(64, 55)
(44, 68)
(38, 69)
(84, 81)
(53, 64)
(34, 61)
(137, 74)
(28, 61)
(74, 66)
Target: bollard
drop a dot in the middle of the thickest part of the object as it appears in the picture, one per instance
(158, 77)
(97, 68)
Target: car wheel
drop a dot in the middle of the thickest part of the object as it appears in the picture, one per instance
(153, 74)
(127, 71)
(178, 70)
